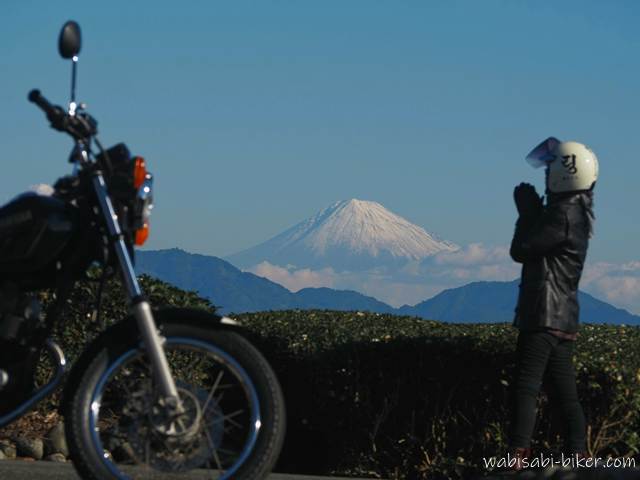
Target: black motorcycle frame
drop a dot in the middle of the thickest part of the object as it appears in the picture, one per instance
(100, 235)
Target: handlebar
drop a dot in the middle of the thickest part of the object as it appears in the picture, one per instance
(54, 114)
(81, 126)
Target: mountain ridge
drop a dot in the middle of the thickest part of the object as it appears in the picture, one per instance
(236, 292)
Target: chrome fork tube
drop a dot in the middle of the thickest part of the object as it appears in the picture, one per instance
(151, 338)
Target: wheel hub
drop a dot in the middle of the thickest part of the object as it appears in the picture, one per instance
(173, 441)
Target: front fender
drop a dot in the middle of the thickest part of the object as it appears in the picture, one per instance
(196, 317)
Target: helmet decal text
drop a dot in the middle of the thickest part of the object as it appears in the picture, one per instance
(569, 162)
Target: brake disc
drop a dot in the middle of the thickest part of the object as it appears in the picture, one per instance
(174, 442)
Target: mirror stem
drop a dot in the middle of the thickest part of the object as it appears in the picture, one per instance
(72, 104)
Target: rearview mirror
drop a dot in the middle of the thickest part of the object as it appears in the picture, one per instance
(70, 41)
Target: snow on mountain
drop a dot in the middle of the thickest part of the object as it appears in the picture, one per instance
(348, 235)
(363, 226)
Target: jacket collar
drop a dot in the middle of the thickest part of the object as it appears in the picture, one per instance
(570, 198)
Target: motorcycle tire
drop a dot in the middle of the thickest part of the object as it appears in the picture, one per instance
(113, 422)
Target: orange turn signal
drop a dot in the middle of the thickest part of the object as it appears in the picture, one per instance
(142, 234)
(139, 172)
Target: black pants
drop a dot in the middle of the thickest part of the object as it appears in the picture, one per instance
(537, 352)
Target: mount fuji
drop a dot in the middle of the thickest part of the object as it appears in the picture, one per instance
(351, 235)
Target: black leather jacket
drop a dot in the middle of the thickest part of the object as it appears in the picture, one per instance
(552, 248)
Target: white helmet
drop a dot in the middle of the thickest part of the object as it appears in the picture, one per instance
(571, 166)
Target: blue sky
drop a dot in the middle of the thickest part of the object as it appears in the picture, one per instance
(254, 115)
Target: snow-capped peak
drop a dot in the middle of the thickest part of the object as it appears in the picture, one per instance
(348, 234)
(365, 227)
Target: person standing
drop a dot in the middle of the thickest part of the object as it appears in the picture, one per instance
(551, 241)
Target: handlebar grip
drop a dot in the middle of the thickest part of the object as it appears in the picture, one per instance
(54, 113)
(36, 97)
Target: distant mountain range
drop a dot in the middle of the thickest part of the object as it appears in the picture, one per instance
(352, 235)
(236, 291)
(486, 302)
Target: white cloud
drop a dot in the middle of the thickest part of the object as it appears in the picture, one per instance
(618, 284)
(475, 262)
(382, 286)
(473, 254)
(295, 280)
(414, 283)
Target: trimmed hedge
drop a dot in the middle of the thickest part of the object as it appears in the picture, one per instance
(397, 397)
(78, 325)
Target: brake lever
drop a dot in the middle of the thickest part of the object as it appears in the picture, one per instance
(81, 127)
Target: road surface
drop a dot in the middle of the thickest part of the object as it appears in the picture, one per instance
(26, 470)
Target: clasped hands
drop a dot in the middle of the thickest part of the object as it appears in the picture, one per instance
(528, 202)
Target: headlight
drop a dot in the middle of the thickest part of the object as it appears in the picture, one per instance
(145, 197)
(144, 206)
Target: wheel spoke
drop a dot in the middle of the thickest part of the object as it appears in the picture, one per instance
(213, 450)
(136, 427)
(213, 391)
(227, 418)
(230, 453)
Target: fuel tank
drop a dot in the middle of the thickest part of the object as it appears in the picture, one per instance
(34, 231)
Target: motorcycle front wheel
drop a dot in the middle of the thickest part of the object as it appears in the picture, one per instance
(233, 419)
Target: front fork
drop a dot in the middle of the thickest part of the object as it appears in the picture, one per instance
(151, 338)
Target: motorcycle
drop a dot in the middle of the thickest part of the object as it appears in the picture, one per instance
(159, 393)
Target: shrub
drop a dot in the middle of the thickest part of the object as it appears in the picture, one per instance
(400, 397)
(397, 397)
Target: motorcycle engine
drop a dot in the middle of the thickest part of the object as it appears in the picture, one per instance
(20, 316)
